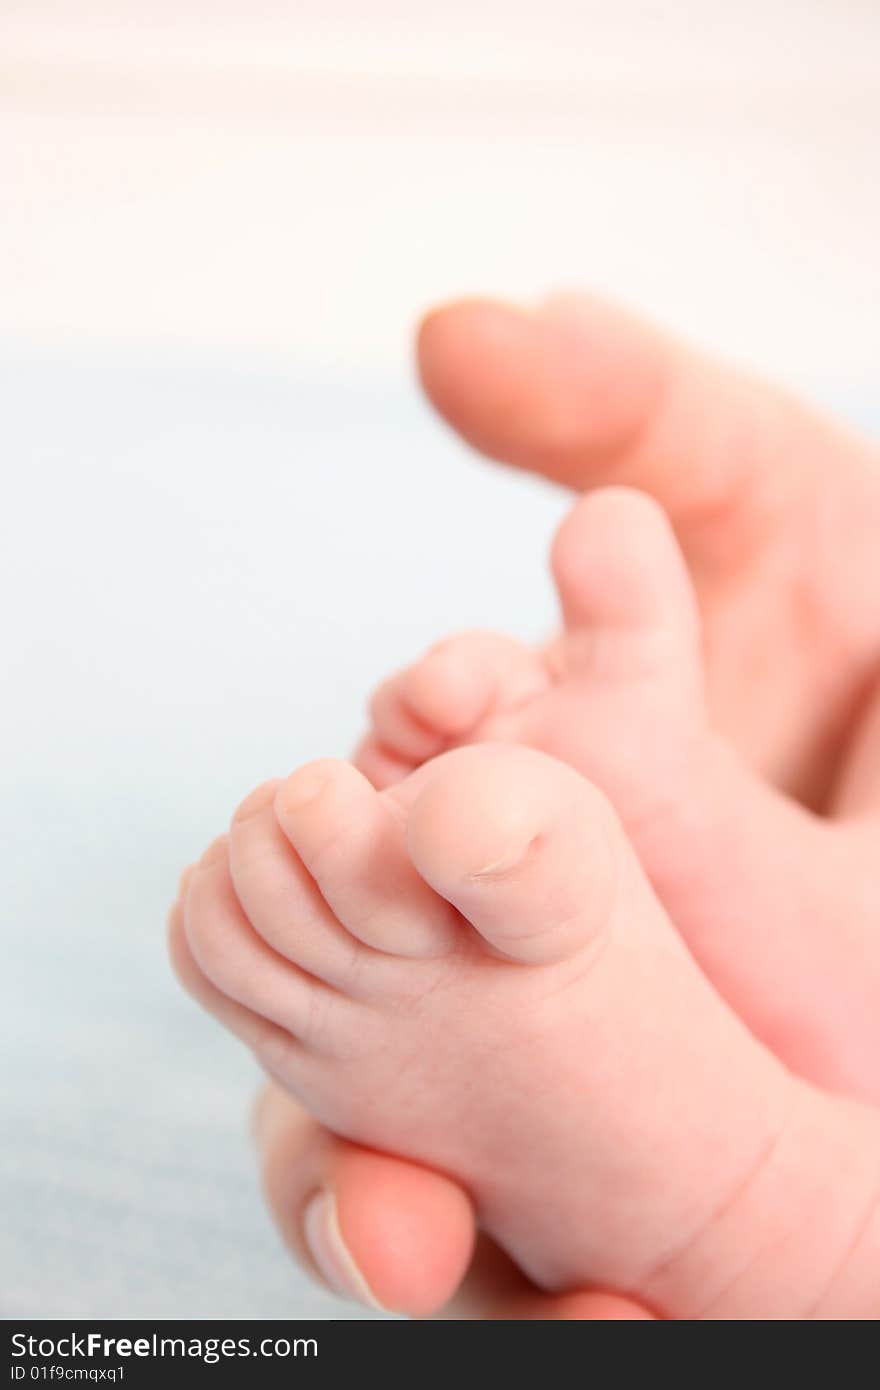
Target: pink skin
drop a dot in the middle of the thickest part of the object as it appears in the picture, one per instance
(628, 404)
(620, 697)
(776, 509)
(586, 395)
(513, 1032)
(410, 1246)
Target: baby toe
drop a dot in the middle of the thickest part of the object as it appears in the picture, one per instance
(239, 964)
(442, 699)
(280, 898)
(396, 726)
(526, 849)
(251, 1028)
(378, 764)
(351, 840)
(621, 576)
(462, 679)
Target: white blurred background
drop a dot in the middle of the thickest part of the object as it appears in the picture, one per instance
(226, 513)
(301, 175)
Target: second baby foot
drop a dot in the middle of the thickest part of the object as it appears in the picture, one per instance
(471, 970)
(780, 906)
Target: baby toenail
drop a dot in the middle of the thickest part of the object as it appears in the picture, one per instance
(258, 799)
(332, 1257)
(503, 865)
(216, 850)
(301, 789)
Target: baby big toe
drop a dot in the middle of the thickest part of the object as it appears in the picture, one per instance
(526, 849)
(618, 569)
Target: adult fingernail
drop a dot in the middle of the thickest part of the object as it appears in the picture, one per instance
(330, 1253)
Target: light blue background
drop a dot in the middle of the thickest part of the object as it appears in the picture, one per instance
(205, 567)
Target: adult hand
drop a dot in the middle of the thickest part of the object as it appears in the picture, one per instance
(389, 1234)
(778, 511)
(776, 508)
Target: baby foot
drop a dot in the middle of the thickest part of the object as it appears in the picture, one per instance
(619, 695)
(779, 906)
(471, 970)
